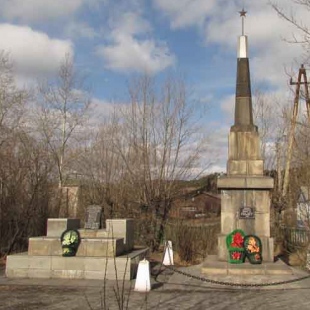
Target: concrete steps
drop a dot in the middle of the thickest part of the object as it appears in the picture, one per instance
(97, 247)
(57, 267)
(214, 267)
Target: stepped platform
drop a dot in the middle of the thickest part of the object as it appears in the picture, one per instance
(102, 254)
(97, 247)
(212, 266)
(78, 267)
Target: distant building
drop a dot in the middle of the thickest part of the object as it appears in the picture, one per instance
(196, 204)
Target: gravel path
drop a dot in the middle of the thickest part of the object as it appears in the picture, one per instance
(170, 291)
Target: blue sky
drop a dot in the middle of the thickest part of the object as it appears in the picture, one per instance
(113, 39)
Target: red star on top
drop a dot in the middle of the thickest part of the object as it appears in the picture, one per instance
(243, 13)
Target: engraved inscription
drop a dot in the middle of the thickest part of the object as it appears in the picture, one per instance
(93, 217)
(246, 213)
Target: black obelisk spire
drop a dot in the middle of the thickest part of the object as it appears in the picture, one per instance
(243, 103)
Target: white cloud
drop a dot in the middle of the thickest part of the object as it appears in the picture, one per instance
(96, 4)
(216, 168)
(184, 13)
(32, 52)
(129, 50)
(218, 148)
(130, 23)
(269, 52)
(228, 105)
(80, 29)
(38, 10)
(130, 54)
(103, 110)
(220, 24)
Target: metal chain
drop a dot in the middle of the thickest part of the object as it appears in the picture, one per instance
(203, 279)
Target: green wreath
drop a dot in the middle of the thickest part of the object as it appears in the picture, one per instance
(70, 241)
(234, 243)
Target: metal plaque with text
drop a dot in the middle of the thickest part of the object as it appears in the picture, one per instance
(246, 213)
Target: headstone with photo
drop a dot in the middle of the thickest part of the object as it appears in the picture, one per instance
(93, 217)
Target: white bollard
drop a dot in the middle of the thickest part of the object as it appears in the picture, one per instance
(168, 257)
(143, 282)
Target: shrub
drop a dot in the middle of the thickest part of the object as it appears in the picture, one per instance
(193, 243)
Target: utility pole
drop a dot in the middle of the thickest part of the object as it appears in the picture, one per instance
(301, 74)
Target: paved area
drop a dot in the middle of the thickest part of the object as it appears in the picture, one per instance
(171, 290)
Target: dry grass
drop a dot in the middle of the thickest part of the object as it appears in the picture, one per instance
(178, 262)
(2, 261)
(192, 243)
(279, 249)
(298, 258)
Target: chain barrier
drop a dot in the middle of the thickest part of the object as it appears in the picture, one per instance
(203, 279)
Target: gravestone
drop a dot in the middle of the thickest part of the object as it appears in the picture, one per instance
(93, 217)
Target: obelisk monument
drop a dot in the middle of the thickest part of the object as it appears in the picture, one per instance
(245, 191)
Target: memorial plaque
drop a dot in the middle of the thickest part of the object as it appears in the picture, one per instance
(93, 217)
(246, 213)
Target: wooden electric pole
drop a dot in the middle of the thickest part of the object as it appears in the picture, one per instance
(301, 74)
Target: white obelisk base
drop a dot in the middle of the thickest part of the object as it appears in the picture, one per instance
(168, 257)
(143, 282)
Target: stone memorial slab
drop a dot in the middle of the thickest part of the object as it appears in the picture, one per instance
(93, 217)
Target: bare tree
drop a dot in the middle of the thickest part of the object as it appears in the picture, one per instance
(12, 99)
(103, 167)
(302, 35)
(270, 114)
(23, 167)
(142, 152)
(159, 145)
(63, 104)
(24, 191)
(273, 117)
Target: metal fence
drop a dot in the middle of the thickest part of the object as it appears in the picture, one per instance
(299, 237)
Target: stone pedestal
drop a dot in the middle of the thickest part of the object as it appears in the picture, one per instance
(245, 186)
(56, 226)
(122, 228)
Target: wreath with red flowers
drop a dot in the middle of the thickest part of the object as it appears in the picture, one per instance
(235, 239)
(235, 246)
